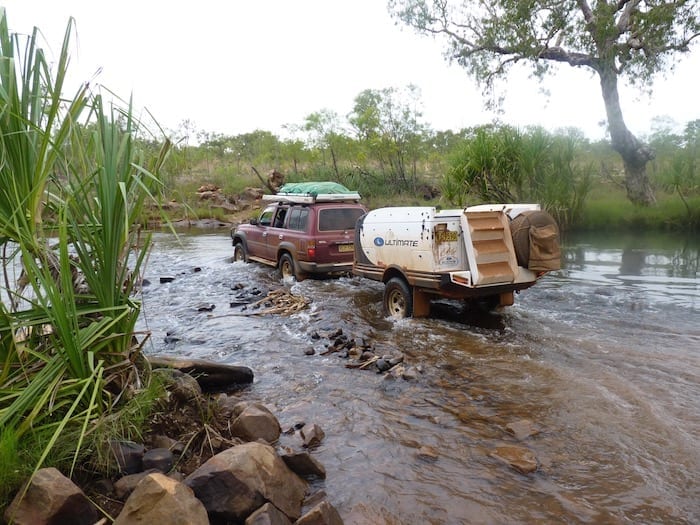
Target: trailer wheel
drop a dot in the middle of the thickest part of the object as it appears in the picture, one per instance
(239, 252)
(398, 301)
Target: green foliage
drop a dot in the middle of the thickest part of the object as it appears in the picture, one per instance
(609, 210)
(71, 192)
(677, 164)
(503, 164)
(388, 125)
(13, 466)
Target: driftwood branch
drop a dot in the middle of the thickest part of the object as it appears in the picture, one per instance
(265, 182)
(282, 302)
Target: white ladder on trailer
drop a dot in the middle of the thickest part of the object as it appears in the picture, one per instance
(489, 247)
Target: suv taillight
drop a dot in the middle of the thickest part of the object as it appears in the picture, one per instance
(311, 249)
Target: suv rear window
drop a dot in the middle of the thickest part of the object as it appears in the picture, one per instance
(338, 219)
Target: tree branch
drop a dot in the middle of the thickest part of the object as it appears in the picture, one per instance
(557, 54)
(623, 24)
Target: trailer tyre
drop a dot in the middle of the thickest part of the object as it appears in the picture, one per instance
(398, 301)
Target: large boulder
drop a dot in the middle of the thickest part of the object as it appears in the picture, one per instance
(236, 482)
(50, 498)
(212, 377)
(160, 499)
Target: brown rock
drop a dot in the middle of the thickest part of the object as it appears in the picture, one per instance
(428, 453)
(256, 422)
(303, 464)
(238, 481)
(185, 388)
(520, 458)
(268, 514)
(522, 429)
(312, 435)
(125, 485)
(50, 498)
(322, 514)
(167, 442)
(160, 499)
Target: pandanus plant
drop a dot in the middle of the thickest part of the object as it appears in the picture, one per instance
(73, 185)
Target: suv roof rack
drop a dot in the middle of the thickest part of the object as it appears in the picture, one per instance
(310, 198)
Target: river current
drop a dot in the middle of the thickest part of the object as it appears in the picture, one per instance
(602, 359)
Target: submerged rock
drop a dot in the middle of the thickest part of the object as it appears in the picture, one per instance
(519, 458)
(522, 429)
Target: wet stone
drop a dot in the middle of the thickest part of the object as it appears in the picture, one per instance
(519, 458)
(205, 307)
(129, 456)
(160, 459)
(303, 464)
(410, 373)
(312, 435)
(522, 429)
(395, 360)
(427, 453)
(383, 365)
(310, 351)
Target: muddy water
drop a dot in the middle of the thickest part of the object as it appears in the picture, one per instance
(602, 357)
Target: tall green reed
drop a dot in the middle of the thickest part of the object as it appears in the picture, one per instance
(73, 183)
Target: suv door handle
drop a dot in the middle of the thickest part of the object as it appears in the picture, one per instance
(264, 234)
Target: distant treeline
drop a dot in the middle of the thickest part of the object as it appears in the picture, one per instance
(387, 155)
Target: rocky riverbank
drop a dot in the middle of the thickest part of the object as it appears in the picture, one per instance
(206, 458)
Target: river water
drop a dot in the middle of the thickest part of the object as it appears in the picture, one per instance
(602, 358)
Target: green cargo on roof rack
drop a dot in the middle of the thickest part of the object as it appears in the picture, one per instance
(309, 192)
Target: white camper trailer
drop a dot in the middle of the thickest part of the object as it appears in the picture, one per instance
(484, 253)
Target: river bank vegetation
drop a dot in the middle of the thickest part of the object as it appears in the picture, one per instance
(391, 158)
(80, 174)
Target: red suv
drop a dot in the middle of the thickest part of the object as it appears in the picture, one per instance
(301, 233)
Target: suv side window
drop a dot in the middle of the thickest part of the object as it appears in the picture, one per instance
(298, 218)
(266, 216)
(338, 219)
(279, 218)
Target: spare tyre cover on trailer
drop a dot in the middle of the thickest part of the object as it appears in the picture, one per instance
(536, 241)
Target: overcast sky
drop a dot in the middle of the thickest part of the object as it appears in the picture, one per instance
(235, 66)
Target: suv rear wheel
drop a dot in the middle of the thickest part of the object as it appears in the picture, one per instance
(398, 302)
(286, 266)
